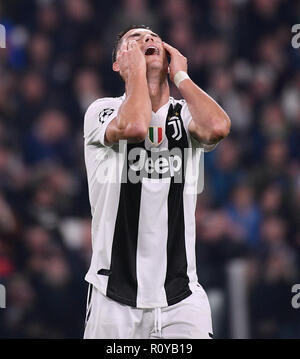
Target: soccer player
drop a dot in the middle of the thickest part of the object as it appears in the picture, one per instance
(143, 281)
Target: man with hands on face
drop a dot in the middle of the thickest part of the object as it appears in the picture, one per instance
(143, 281)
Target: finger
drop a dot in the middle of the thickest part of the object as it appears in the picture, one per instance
(121, 53)
(123, 47)
(132, 44)
(170, 48)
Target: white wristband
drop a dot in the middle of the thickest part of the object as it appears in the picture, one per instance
(180, 76)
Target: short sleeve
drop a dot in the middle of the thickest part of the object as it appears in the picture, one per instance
(186, 118)
(97, 117)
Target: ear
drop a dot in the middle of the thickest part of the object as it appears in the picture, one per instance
(116, 67)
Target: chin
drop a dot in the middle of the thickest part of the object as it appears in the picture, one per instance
(154, 64)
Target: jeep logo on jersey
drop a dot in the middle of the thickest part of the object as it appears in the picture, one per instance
(104, 114)
(135, 164)
(176, 123)
(155, 135)
(154, 164)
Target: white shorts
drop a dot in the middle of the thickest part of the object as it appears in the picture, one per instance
(108, 319)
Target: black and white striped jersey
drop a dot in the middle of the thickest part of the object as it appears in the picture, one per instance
(143, 199)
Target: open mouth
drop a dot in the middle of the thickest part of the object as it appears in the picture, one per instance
(151, 50)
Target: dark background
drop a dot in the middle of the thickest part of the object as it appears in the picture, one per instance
(58, 61)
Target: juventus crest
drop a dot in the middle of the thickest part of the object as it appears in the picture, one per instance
(175, 122)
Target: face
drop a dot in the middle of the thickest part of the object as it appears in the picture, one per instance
(151, 46)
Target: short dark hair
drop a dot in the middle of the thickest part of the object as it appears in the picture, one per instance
(121, 34)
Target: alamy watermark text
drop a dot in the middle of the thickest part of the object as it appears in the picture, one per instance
(296, 37)
(2, 36)
(2, 296)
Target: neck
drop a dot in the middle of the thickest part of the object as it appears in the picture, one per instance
(159, 91)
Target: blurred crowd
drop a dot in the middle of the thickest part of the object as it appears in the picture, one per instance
(58, 61)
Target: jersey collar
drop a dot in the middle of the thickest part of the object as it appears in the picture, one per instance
(166, 105)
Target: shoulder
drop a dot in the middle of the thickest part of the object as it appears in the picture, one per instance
(102, 109)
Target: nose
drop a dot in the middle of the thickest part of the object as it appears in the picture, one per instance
(148, 38)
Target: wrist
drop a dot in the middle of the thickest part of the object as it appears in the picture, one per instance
(136, 82)
(179, 77)
(137, 74)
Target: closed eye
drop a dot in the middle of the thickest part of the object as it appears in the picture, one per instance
(133, 35)
(137, 34)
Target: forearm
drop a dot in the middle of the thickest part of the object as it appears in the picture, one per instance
(135, 112)
(209, 119)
